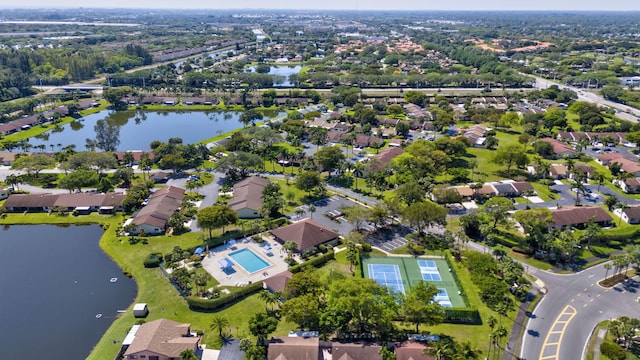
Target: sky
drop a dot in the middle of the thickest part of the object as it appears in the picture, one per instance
(610, 5)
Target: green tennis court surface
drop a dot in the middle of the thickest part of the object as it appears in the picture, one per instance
(400, 273)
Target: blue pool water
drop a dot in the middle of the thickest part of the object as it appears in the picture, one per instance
(249, 261)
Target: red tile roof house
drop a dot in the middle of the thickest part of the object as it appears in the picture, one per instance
(277, 282)
(559, 148)
(247, 197)
(153, 218)
(162, 339)
(306, 233)
(83, 202)
(297, 348)
(380, 160)
(630, 214)
(579, 216)
(628, 166)
(629, 186)
(411, 350)
(558, 171)
(606, 159)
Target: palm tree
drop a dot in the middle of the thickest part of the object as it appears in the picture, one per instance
(188, 354)
(441, 350)
(358, 171)
(600, 178)
(607, 267)
(219, 323)
(269, 298)
(312, 209)
(289, 247)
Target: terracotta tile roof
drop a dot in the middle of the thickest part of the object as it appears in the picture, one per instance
(277, 282)
(163, 337)
(305, 233)
(247, 194)
(632, 212)
(31, 200)
(628, 166)
(464, 191)
(411, 351)
(558, 169)
(296, 348)
(355, 351)
(162, 204)
(522, 186)
(568, 216)
(559, 148)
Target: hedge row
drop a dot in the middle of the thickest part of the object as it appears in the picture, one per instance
(462, 316)
(463, 294)
(197, 303)
(315, 261)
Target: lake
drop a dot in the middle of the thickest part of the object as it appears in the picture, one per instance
(281, 74)
(54, 280)
(139, 128)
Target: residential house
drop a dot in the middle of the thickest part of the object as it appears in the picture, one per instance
(411, 350)
(247, 197)
(154, 217)
(487, 190)
(162, 339)
(560, 149)
(505, 189)
(159, 177)
(82, 202)
(523, 187)
(137, 155)
(629, 186)
(558, 171)
(465, 192)
(362, 141)
(606, 159)
(277, 282)
(579, 216)
(30, 202)
(379, 161)
(628, 166)
(355, 351)
(8, 157)
(630, 214)
(306, 233)
(582, 170)
(297, 348)
(476, 134)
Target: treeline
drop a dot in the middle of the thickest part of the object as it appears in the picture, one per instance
(24, 68)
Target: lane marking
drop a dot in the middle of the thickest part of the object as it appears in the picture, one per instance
(551, 350)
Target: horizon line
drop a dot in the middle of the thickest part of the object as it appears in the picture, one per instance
(310, 9)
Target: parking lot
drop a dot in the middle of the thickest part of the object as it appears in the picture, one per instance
(328, 213)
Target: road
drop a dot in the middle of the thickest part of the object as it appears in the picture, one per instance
(625, 112)
(560, 326)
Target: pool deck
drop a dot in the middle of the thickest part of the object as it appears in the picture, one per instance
(238, 275)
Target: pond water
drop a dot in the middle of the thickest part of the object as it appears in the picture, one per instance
(139, 128)
(54, 281)
(281, 73)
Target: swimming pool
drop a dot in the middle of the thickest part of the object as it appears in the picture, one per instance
(248, 260)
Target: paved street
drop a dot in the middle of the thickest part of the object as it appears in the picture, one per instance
(562, 322)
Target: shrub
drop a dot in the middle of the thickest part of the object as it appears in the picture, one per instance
(612, 350)
(316, 261)
(198, 303)
(153, 260)
(366, 247)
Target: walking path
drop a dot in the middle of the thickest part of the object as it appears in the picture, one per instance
(596, 350)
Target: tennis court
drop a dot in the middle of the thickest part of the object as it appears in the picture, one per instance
(387, 275)
(400, 273)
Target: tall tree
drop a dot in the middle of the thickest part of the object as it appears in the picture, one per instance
(216, 216)
(424, 214)
(510, 155)
(418, 306)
